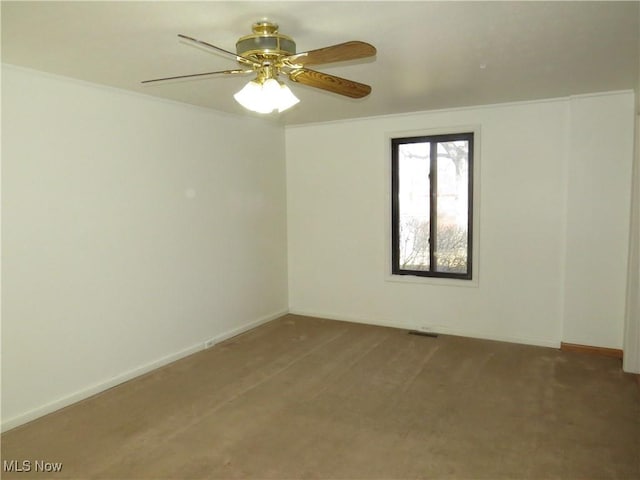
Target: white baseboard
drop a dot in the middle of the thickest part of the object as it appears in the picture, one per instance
(443, 330)
(248, 326)
(126, 376)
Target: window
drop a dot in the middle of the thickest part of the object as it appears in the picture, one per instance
(432, 200)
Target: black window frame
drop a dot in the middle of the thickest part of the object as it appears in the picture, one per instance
(433, 182)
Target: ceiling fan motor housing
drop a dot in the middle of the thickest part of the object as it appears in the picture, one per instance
(265, 42)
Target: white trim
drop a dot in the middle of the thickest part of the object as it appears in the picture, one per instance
(249, 326)
(475, 264)
(440, 329)
(270, 120)
(458, 109)
(564, 207)
(131, 374)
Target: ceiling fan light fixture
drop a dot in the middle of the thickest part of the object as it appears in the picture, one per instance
(266, 97)
(287, 98)
(250, 97)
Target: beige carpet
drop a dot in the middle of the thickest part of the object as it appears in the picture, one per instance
(310, 398)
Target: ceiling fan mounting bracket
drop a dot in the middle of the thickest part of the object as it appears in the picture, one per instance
(267, 71)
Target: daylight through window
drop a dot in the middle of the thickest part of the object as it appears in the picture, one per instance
(432, 182)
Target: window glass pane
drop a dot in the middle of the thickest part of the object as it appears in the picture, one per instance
(453, 203)
(413, 199)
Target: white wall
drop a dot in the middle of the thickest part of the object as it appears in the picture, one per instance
(600, 158)
(134, 229)
(631, 360)
(338, 223)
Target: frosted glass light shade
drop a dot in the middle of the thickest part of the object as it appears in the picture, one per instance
(251, 98)
(271, 88)
(266, 97)
(287, 98)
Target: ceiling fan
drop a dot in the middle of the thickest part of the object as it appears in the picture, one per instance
(269, 54)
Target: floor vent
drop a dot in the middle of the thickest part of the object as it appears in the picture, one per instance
(423, 334)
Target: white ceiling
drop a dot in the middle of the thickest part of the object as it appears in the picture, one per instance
(431, 55)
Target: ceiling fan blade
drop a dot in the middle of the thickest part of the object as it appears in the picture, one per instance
(236, 57)
(331, 83)
(336, 53)
(226, 72)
